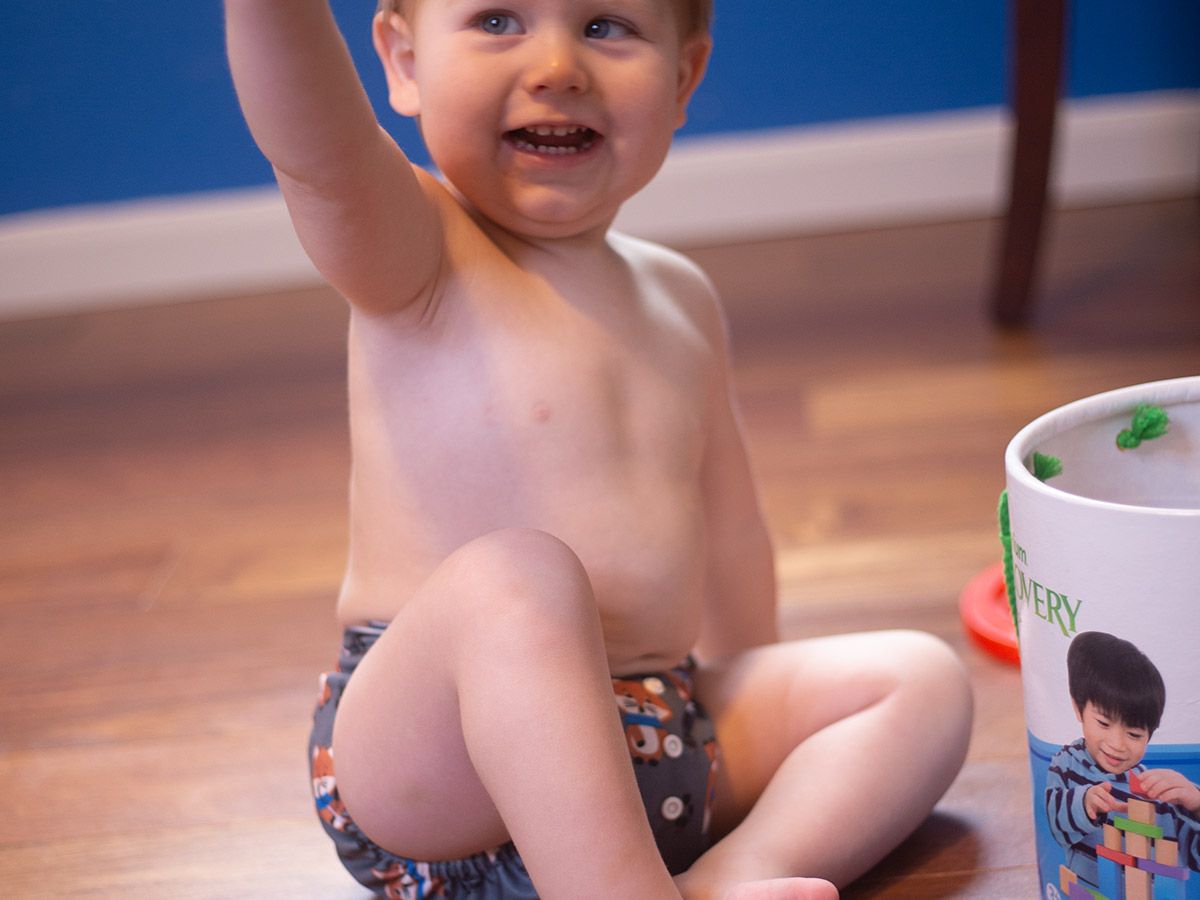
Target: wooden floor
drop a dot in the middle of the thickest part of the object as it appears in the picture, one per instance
(172, 486)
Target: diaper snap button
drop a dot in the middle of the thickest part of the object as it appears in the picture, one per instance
(672, 808)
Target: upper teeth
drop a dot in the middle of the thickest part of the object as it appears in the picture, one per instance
(556, 130)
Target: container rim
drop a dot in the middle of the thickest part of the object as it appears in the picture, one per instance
(1098, 406)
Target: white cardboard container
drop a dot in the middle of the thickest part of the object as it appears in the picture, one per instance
(1111, 545)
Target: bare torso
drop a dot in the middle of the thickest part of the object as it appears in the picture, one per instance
(583, 415)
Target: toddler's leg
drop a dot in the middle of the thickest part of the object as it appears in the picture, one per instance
(485, 711)
(833, 749)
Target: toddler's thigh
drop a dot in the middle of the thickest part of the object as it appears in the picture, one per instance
(401, 762)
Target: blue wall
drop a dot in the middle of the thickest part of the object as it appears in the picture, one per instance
(118, 99)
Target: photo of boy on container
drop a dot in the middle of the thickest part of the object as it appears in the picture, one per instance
(1118, 696)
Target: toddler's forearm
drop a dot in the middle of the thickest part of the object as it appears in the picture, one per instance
(298, 87)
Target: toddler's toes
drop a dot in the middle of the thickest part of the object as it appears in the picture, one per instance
(784, 889)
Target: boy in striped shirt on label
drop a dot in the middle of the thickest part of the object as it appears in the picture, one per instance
(1119, 696)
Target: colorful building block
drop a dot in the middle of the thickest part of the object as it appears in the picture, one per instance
(1066, 878)
(1162, 870)
(1079, 892)
(1166, 852)
(1137, 845)
(1135, 784)
(1142, 811)
(1137, 884)
(1143, 828)
(1134, 861)
(1112, 838)
(1116, 856)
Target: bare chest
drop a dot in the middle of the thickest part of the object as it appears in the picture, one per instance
(591, 429)
(549, 393)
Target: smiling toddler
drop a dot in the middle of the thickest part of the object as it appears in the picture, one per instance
(561, 673)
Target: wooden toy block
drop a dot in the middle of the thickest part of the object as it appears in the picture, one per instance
(1129, 826)
(1141, 811)
(1066, 878)
(1079, 892)
(1166, 852)
(1116, 856)
(1137, 884)
(1112, 838)
(1135, 784)
(1162, 870)
(1137, 845)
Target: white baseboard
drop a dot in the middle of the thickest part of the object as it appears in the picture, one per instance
(148, 251)
(919, 168)
(712, 189)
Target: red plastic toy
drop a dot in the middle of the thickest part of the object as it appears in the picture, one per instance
(985, 612)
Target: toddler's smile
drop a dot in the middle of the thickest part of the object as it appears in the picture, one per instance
(553, 140)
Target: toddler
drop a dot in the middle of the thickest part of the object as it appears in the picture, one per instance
(561, 674)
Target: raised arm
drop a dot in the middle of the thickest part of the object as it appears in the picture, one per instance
(362, 212)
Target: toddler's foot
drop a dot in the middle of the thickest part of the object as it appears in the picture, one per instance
(765, 889)
(783, 889)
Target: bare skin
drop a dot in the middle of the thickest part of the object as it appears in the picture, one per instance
(550, 486)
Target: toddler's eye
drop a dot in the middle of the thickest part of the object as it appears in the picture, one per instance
(606, 29)
(498, 23)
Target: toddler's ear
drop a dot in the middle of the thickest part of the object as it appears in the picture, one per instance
(693, 61)
(394, 45)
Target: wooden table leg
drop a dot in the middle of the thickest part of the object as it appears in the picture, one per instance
(1039, 35)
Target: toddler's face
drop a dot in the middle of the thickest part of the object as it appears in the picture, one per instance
(1115, 746)
(546, 114)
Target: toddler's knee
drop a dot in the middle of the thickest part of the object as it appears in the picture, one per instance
(520, 573)
(932, 706)
(934, 673)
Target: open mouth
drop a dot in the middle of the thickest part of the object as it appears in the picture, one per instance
(553, 140)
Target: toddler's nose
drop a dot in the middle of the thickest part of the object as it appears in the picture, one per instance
(555, 67)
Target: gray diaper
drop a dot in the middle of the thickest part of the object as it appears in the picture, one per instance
(672, 747)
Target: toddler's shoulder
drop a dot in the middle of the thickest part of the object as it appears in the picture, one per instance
(653, 260)
(674, 275)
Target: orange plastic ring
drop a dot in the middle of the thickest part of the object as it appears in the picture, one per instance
(985, 612)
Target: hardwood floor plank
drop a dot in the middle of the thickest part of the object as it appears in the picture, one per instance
(244, 858)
